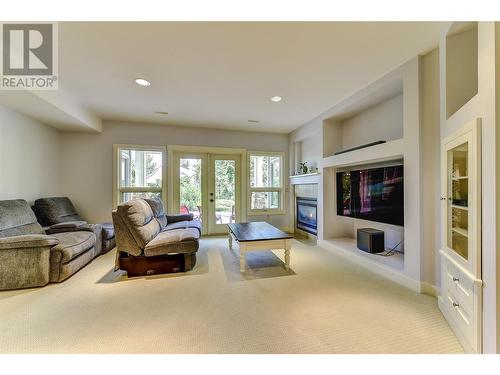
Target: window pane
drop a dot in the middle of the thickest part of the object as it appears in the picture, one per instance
(139, 168)
(265, 171)
(128, 196)
(225, 191)
(265, 200)
(190, 186)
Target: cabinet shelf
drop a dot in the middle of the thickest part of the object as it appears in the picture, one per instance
(460, 207)
(460, 178)
(461, 231)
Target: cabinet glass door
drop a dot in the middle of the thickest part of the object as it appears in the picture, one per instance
(458, 200)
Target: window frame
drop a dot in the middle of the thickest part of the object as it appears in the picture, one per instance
(281, 190)
(117, 189)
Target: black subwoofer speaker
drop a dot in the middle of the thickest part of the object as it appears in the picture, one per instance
(371, 240)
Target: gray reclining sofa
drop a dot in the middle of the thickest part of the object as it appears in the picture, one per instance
(150, 242)
(57, 214)
(31, 258)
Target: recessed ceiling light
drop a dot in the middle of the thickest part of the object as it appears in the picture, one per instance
(276, 99)
(161, 113)
(142, 82)
(254, 121)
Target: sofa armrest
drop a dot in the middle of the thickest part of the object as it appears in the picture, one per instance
(27, 240)
(70, 226)
(179, 217)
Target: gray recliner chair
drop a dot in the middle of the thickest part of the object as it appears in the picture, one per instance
(31, 258)
(57, 214)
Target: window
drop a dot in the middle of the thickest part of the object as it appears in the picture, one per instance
(139, 171)
(265, 189)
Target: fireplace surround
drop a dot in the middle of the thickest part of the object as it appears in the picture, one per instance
(307, 214)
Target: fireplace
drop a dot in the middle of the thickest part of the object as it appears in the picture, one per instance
(307, 216)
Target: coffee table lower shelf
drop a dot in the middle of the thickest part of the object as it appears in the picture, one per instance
(259, 245)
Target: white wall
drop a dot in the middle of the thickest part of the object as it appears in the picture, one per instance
(431, 175)
(461, 69)
(310, 139)
(87, 162)
(309, 150)
(382, 122)
(29, 157)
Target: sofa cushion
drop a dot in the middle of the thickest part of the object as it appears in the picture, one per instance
(139, 219)
(56, 210)
(17, 218)
(156, 205)
(195, 224)
(61, 271)
(71, 245)
(173, 241)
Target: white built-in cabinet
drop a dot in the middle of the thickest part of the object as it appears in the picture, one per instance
(461, 284)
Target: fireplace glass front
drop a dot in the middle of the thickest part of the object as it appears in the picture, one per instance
(307, 215)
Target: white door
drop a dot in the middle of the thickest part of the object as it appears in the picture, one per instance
(224, 184)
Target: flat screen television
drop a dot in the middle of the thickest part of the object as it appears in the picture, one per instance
(372, 194)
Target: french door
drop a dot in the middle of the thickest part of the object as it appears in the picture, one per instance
(208, 186)
(224, 184)
(190, 185)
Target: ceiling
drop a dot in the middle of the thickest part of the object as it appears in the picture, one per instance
(220, 75)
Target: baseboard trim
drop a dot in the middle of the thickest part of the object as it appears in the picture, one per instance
(429, 289)
(379, 269)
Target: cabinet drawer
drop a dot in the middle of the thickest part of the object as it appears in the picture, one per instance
(461, 287)
(462, 319)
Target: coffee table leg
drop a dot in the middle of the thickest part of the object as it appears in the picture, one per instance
(230, 240)
(242, 257)
(287, 254)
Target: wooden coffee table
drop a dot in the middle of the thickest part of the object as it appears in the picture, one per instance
(258, 236)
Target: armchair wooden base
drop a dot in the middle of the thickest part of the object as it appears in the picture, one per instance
(160, 264)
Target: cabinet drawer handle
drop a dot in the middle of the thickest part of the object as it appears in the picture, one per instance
(456, 279)
(455, 304)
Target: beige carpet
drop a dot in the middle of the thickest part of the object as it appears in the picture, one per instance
(325, 305)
